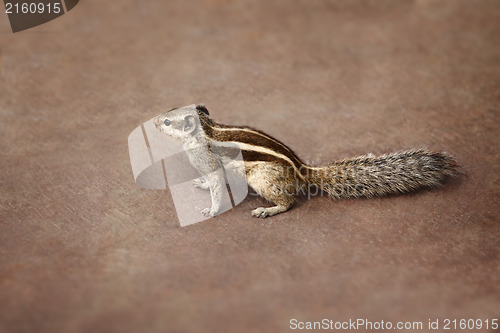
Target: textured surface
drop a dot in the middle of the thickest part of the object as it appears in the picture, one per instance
(83, 249)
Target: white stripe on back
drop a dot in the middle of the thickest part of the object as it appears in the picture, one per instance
(246, 146)
(248, 130)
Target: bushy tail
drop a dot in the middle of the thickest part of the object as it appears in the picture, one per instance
(370, 176)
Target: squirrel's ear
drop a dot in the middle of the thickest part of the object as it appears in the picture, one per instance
(203, 109)
(189, 124)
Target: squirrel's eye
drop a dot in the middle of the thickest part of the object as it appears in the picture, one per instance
(167, 122)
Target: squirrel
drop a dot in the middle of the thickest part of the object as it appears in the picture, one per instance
(275, 172)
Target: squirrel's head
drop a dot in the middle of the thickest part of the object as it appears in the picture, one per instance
(182, 122)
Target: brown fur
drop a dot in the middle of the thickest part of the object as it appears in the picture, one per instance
(279, 181)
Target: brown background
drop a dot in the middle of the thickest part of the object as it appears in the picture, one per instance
(83, 249)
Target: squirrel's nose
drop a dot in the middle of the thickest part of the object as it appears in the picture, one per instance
(156, 122)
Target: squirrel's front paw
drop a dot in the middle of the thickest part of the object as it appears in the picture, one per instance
(208, 212)
(200, 183)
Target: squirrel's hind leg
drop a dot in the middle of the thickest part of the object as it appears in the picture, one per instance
(265, 212)
(270, 183)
